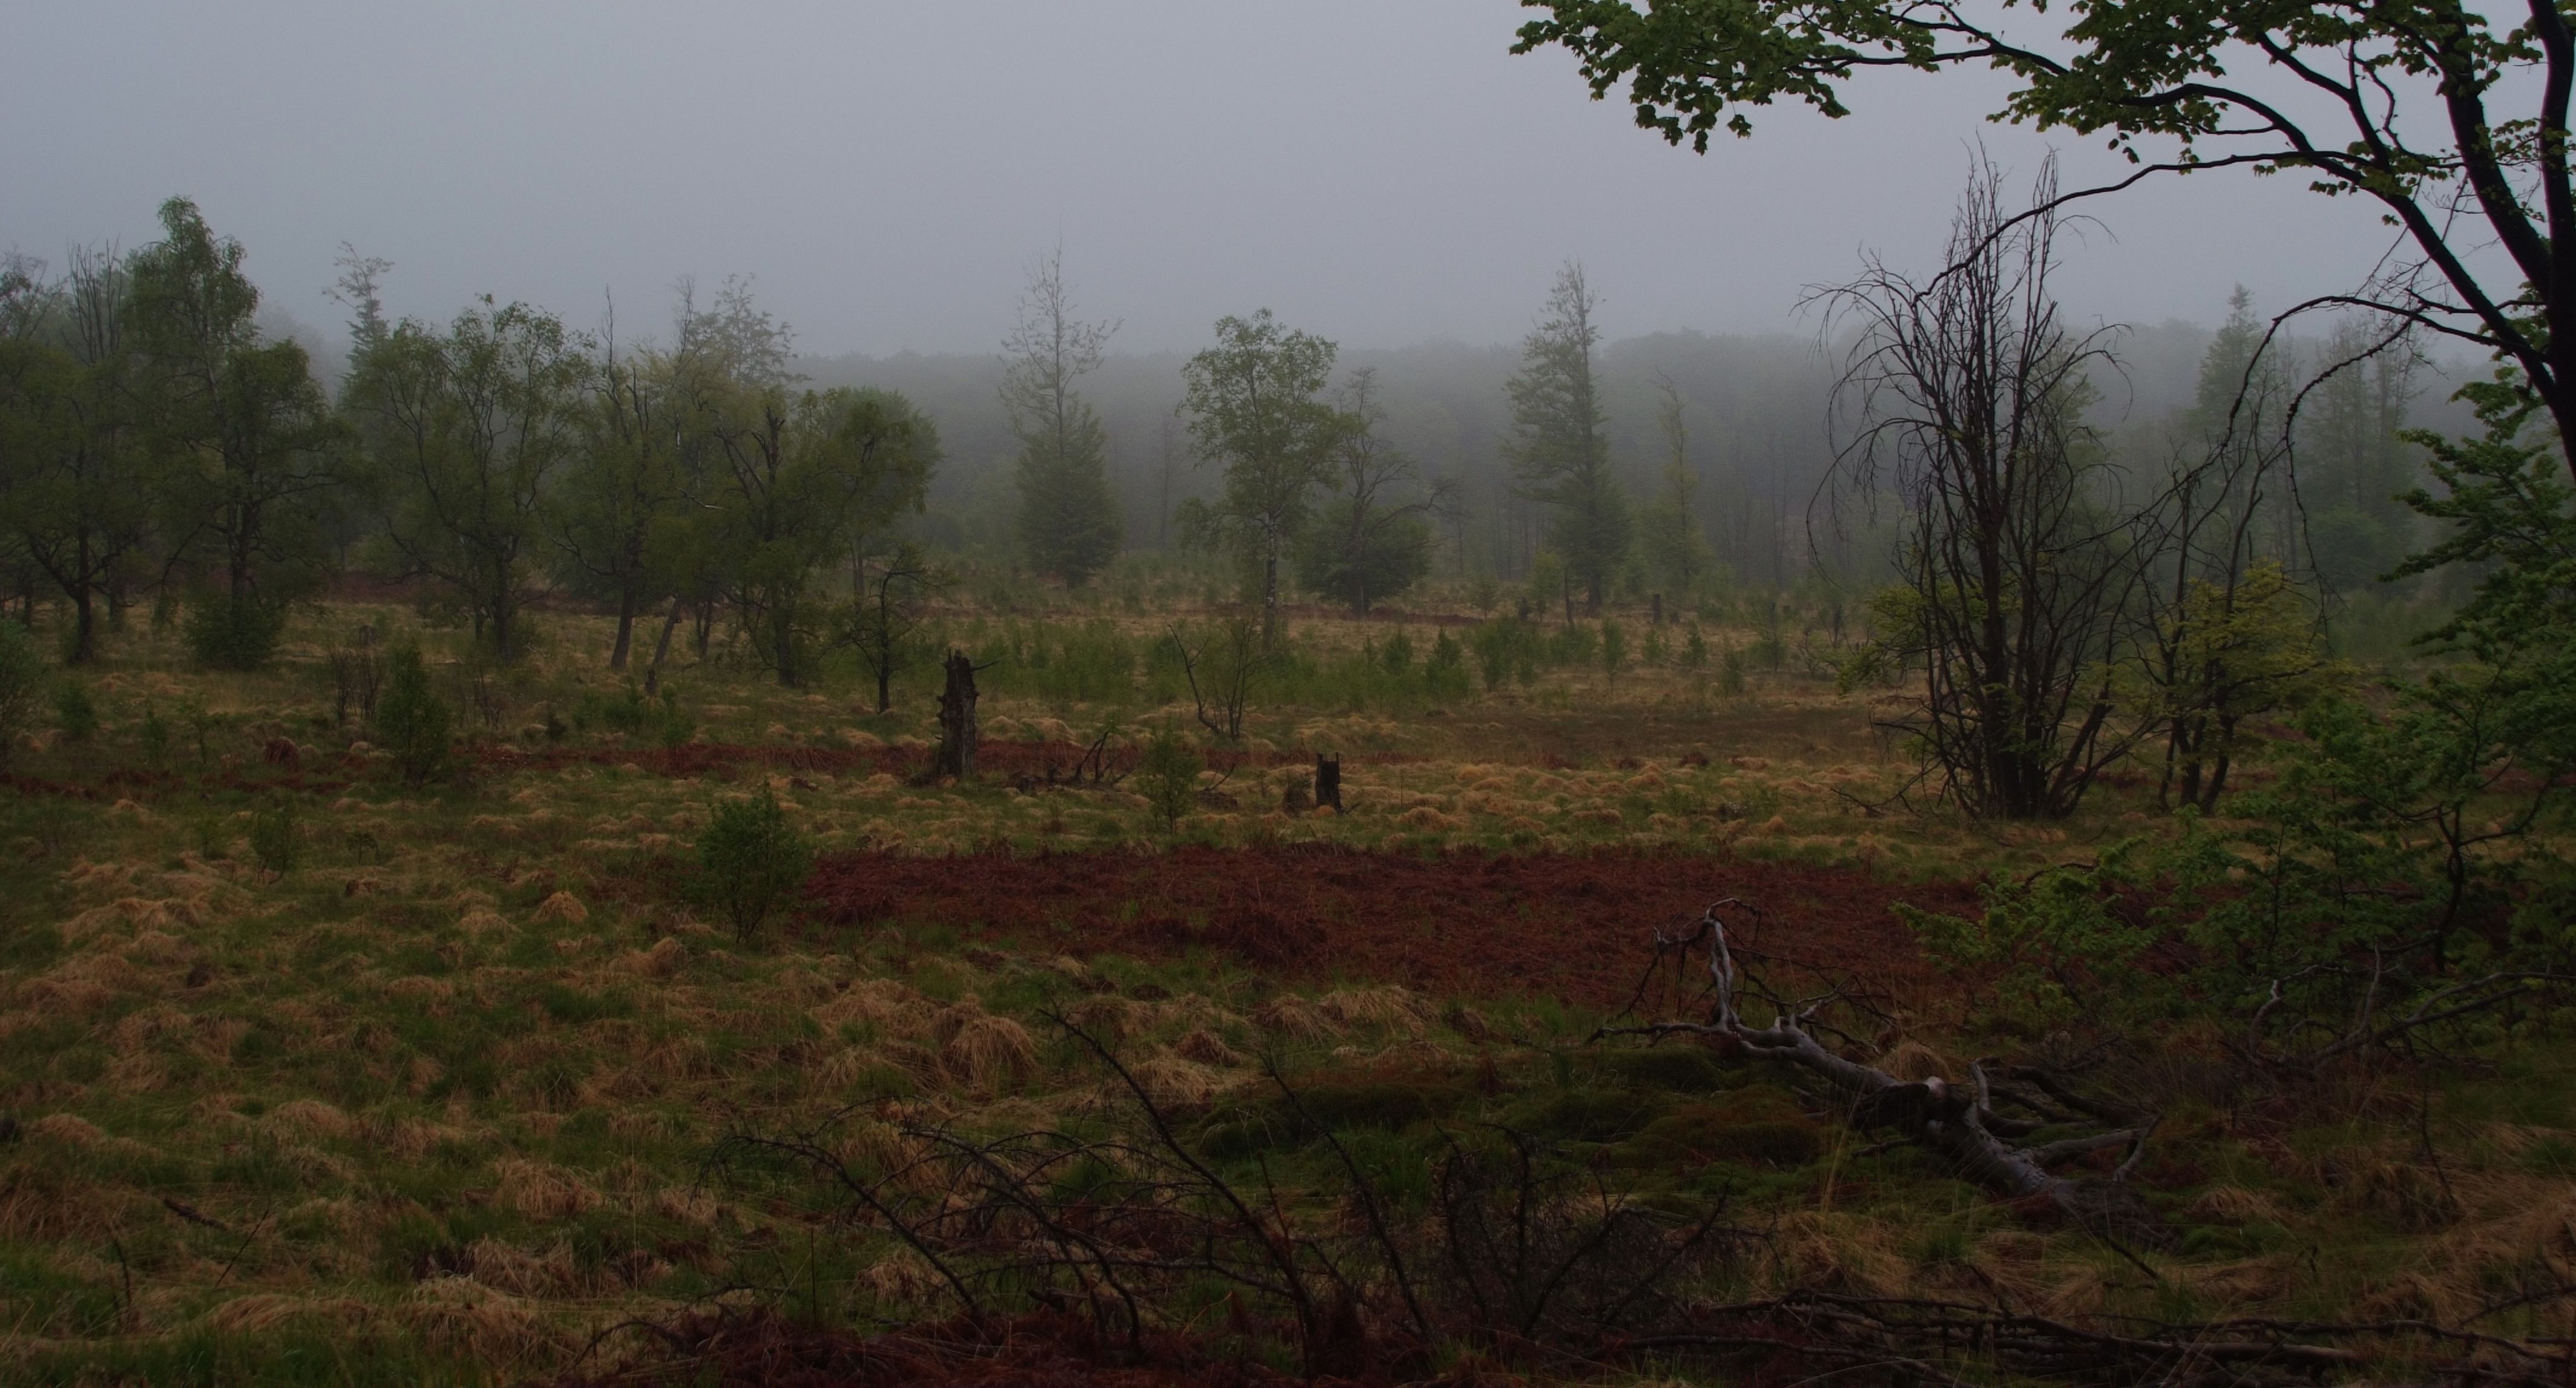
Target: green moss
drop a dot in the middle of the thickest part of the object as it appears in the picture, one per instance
(1591, 1115)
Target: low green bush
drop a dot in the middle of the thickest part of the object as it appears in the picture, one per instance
(751, 861)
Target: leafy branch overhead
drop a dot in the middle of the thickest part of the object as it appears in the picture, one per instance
(2453, 125)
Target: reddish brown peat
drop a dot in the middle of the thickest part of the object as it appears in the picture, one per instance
(1568, 926)
(1002, 760)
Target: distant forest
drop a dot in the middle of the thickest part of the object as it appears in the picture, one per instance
(1760, 434)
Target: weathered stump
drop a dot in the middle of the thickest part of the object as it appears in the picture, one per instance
(957, 734)
(1328, 782)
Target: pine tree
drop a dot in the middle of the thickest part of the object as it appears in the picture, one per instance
(1676, 552)
(1560, 449)
(1069, 521)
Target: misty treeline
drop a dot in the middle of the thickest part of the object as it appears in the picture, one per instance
(163, 445)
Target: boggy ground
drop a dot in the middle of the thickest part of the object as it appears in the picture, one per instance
(1466, 923)
(439, 1102)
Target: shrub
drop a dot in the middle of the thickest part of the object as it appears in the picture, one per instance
(1695, 650)
(633, 715)
(277, 836)
(212, 838)
(1397, 655)
(75, 711)
(1506, 647)
(751, 860)
(235, 633)
(22, 673)
(1444, 675)
(1572, 647)
(156, 739)
(1614, 648)
(1168, 775)
(411, 719)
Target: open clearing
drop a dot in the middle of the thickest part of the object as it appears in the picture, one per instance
(465, 1088)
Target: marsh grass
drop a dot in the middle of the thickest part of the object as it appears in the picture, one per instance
(437, 1062)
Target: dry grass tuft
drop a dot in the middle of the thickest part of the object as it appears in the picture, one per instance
(986, 1051)
(68, 1128)
(264, 1311)
(1291, 1016)
(688, 1205)
(1176, 1084)
(661, 961)
(47, 1207)
(1110, 1018)
(468, 1318)
(888, 1150)
(1912, 1060)
(1838, 1251)
(509, 1268)
(878, 1002)
(2232, 1205)
(2419, 1198)
(1207, 1048)
(1390, 1008)
(903, 1278)
(307, 1118)
(419, 988)
(542, 1192)
(562, 908)
(87, 983)
(847, 1066)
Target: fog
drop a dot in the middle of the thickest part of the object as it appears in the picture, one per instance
(1382, 174)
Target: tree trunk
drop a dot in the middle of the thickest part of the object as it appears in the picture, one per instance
(501, 618)
(957, 733)
(625, 625)
(1269, 602)
(85, 627)
(1328, 782)
(662, 648)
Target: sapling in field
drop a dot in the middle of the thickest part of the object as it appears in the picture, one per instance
(75, 711)
(411, 719)
(277, 836)
(156, 739)
(1168, 776)
(752, 861)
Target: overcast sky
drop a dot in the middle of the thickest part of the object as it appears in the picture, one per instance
(1380, 171)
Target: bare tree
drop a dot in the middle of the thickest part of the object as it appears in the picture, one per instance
(2015, 579)
(884, 625)
(1222, 670)
(1373, 538)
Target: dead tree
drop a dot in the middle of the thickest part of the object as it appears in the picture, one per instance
(1963, 1126)
(957, 734)
(2016, 580)
(1221, 672)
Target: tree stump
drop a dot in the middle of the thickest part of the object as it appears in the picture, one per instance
(957, 734)
(1328, 782)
